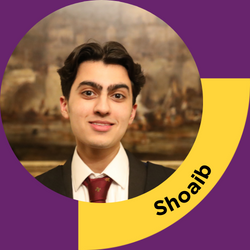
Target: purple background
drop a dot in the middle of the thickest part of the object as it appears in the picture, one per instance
(217, 34)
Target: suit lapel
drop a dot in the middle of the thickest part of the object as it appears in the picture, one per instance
(137, 176)
(67, 180)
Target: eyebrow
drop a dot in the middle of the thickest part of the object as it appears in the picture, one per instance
(91, 84)
(99, 87)
(118, 86)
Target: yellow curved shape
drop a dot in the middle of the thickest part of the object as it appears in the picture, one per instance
(225, 106)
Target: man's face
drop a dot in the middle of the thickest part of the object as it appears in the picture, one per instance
(100, 105)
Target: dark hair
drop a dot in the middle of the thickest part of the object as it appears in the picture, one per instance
(110, 53)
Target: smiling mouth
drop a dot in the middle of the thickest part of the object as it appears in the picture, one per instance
(101, 124)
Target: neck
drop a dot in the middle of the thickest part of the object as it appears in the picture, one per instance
(97, 159)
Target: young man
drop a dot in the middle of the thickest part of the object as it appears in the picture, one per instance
(100, 86)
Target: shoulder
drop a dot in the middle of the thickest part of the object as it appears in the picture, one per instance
(157, 174)
(151, 174)
(159, 169)
(58, 179)
(151, 168)
(51, 178)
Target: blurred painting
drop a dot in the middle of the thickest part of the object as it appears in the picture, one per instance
(169, 106)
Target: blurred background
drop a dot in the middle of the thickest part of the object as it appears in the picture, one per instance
(169, 106)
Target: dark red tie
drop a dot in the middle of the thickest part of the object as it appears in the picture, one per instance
(98, 188)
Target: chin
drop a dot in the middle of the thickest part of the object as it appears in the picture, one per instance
(100, 145)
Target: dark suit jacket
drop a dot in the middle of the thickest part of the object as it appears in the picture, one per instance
(142, 177)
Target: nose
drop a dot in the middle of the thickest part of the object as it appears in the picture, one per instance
(102, 106)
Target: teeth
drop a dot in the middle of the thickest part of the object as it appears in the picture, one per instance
(100, 124)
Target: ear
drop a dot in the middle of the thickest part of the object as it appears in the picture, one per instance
(132, 116)
(64, 107)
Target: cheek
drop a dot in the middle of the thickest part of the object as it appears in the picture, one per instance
(79, 110)
(125, 117)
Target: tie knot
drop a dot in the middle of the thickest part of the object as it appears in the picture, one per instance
(98, 188)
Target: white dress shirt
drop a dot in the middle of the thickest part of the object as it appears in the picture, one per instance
(118, 170)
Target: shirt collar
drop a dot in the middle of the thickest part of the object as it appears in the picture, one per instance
(118, 169)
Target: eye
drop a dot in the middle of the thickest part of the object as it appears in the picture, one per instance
(118, 96)
(88, 93)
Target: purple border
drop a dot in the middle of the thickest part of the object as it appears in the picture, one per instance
(217, 34)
